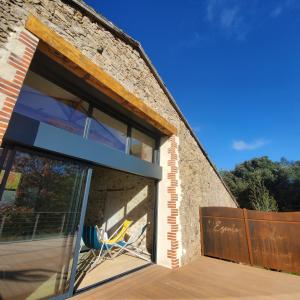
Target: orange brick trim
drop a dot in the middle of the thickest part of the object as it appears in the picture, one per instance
(173, 203)
(15, 59)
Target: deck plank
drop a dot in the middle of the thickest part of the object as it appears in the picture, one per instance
(205, 278)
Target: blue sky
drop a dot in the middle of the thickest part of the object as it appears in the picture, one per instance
(233, 67)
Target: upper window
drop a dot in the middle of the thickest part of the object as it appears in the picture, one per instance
(45, 101)
(142, 145)
(107, 130)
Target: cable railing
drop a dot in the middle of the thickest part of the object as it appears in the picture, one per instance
(29, 226)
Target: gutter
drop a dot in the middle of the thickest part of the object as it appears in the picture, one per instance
(137, 46)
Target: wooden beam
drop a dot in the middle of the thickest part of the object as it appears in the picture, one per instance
(63, 52)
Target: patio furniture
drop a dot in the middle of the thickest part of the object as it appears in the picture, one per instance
(128, 246)
(96, 239)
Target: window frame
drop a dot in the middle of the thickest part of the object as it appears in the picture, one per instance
(96, 104)
(154, 148)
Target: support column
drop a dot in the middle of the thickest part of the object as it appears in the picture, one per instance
(169, 247)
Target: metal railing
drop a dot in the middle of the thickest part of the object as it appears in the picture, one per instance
(24, 226)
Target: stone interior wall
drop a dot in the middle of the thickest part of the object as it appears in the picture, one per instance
(200, 184)
(116, 196)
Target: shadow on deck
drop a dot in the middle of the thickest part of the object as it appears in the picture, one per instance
(204, 278)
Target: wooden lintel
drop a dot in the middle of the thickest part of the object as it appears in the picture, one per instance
(63, 52)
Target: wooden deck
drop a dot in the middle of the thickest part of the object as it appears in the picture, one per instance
(205, 278)
(32, 268)
(107, 269)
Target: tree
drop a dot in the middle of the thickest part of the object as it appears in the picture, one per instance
(260, 197)
(280, 179)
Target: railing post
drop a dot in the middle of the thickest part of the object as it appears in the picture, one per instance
(201, 231)
(62, 223)
(35, 226)
(2, 225)
(246, 223)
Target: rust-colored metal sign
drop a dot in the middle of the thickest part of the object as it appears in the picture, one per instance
(270, 240)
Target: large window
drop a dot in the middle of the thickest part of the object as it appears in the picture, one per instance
(40, 208)
(45, 101)
(142, 145)
(48, 102)
(107, 130)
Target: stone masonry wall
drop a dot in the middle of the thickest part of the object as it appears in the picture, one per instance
(200, 185)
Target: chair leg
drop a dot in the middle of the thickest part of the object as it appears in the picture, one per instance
(100, 257)
(119, 252)
(136, 254)
(97, 261)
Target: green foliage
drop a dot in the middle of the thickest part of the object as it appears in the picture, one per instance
(280, 180)
(260, 197)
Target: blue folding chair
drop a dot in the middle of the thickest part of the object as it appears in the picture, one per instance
(94, 239)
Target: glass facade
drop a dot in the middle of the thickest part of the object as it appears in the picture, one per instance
(142, 145)
(40, 207)
(47, 102)
(107, 130)
(42, 100)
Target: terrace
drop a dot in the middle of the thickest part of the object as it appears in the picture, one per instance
(91, 140)
(204, 278)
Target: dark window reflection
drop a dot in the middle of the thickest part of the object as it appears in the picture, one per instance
(39, 216)
(45, 101)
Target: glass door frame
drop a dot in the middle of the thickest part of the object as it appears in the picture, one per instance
(70, 292)
(7, 157)
(71, 289)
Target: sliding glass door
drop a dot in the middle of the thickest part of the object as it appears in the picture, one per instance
(40, 208)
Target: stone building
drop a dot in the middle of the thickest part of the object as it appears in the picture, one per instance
(90, 136)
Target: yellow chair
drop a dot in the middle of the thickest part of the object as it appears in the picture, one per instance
(119, 243)
(120, 233)
(97, 239)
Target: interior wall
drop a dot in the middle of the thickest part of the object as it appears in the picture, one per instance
(116, 196)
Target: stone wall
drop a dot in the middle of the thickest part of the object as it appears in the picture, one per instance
(116, 196)
(200, 185)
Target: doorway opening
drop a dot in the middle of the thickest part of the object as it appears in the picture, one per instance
(116, 197)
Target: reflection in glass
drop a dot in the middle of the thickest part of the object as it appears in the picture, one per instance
(142, 145)
(107, 130)
(45, 101)
(39, 216)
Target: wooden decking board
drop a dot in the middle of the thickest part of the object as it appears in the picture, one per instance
(205, 278)
(38, 259)
(107, 269)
